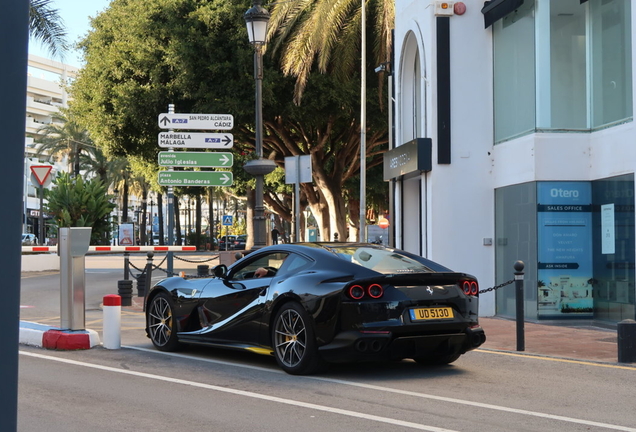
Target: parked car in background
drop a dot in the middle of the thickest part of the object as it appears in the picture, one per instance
(227, 242)
(29, 239)
(239, 243)
(310, 304)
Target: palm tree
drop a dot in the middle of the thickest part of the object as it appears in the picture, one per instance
(107, 169)
(47, 27)
(63, 136)
(308, 33)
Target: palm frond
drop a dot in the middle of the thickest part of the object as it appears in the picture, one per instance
(47, 27)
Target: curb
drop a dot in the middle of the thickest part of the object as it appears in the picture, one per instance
(48, 337)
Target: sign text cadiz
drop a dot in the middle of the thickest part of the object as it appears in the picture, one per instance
(196, 121)
(196, 140)
(195, 178)
(196, 159)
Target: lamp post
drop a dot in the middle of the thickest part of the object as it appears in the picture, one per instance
(256, 19)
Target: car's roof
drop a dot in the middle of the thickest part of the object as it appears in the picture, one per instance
(344, 251)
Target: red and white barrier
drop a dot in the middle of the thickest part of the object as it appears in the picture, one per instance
(112, 322)
(117, 249)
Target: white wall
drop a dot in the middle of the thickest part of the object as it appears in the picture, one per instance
(459, 198)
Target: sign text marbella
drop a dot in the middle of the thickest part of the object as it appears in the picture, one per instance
(196, 140)
(196, 121)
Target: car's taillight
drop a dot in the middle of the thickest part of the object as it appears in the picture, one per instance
(470, 288)
(358, 292)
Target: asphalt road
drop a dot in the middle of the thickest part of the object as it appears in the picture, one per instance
(138, 388)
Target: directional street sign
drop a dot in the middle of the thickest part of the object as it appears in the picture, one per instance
(196, 140)
(195, 178)
(196, 121)
(196, 159)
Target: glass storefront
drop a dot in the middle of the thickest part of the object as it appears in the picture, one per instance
(562, 65)
(577, 240)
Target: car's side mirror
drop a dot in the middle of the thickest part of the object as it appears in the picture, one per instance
(219, 270)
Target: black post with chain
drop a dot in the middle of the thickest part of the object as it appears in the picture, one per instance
(521, 343)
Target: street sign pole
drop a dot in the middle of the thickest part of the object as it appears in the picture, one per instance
(170, 255)
(41, 173)
(41, 218)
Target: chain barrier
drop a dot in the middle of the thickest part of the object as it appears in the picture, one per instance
(195, 262)
(142, 271)
(496, 287)
(158, 266)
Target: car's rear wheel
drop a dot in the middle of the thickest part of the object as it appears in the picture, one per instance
(161, 323)
(437, 359)
(294, 341)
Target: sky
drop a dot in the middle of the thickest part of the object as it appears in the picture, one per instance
(76, 15)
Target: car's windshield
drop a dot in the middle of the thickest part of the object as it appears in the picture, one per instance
(381, 260)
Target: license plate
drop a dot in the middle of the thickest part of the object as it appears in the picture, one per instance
(423, 314)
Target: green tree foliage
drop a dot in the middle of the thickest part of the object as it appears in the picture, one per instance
(74, 202)
(145, 54)
(309, 33)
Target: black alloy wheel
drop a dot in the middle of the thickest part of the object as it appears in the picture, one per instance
(294, 341)
(161, 323)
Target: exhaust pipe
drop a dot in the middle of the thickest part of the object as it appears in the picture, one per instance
(376, 346)
(362, 346)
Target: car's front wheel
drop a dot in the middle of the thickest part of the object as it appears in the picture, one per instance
(161, 323)
(294, 341)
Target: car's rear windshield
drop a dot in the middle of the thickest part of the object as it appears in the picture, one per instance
(382, 260)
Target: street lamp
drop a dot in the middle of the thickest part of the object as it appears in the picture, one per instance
(256, 19)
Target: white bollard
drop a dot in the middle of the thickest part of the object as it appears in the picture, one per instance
(112, 321)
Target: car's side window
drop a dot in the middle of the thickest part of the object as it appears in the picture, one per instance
(296, 263)
(270, 263)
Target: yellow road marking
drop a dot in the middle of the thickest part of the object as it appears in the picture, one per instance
(561, 360)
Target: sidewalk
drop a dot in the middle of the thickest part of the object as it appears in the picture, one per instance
(568, 340)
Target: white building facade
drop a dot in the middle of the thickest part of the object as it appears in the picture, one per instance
(519, 117)
(45, 96)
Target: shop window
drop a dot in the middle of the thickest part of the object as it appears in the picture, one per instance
(562, 66)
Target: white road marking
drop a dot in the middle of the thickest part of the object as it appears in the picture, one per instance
(410, 393)
(370, 417)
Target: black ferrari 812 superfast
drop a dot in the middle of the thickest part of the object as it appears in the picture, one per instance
(311, 304)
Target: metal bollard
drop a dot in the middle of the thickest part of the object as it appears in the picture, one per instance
(126, 266)
(626, 330)
(124, 289)
(112, 322)
(521, 343)
(148, 272)
(203, 270)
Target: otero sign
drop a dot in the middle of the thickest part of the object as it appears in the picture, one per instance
(196, 121)
(195, 178)
(196, 159)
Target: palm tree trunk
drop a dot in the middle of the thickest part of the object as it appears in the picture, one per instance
(197, 240)
(177, 222)
(143, 235)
